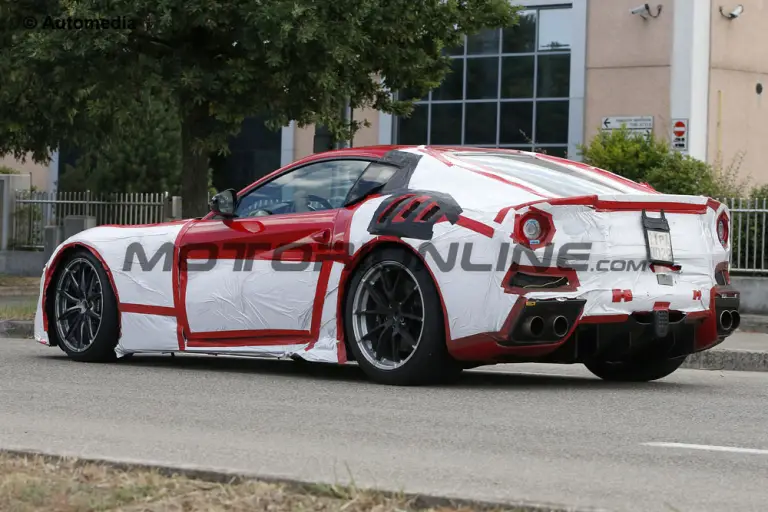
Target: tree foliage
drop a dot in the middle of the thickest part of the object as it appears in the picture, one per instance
(652, 161)
(141, 154)
(222, 61)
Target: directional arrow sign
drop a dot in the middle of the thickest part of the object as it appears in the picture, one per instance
(632, 123)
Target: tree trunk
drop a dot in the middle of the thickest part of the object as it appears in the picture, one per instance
(194, 175)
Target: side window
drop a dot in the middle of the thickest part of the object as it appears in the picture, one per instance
(375, 177)
(318, 186)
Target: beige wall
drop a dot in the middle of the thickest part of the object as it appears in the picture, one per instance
(366, 136)
(38, 172)
(628, 64)
(303, 141)
(304, 138)
(738, 116)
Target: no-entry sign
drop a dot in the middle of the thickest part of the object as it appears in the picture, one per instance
(680, 134)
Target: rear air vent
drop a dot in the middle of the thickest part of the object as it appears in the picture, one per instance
(411, 208)
(539, 281)
(430, 213)
(386, 214)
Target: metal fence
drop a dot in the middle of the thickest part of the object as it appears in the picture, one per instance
(747, 231)
(33, 211)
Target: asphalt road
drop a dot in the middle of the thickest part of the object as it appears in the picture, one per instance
(532, 432)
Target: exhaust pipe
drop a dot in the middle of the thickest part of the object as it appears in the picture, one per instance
(533, 326)
(726, 320)
(735, 320)
(560, 326)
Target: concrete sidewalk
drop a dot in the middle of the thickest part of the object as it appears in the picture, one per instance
(742, 351)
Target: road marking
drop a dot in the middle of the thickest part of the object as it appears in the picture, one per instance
(706, 447)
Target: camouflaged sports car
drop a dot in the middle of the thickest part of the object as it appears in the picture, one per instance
(414, 262)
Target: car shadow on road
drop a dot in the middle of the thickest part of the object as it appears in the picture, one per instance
(474, 379)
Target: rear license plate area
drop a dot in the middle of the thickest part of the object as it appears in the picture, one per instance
(658, 241)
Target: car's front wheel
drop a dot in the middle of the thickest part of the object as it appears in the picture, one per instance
(643, 369)
(83, 309)
(394, 322)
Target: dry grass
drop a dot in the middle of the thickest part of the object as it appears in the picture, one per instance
(32, 283)
(36, 483)
(24, 311)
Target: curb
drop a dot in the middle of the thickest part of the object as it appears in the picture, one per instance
(728, 360)
(224, 476)
(17, 329)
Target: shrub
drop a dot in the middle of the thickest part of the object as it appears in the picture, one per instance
(760, 192)
(625, 153)
(681, 174)
(7, 170)
(651, 160)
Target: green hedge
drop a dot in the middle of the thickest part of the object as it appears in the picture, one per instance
(650, 160)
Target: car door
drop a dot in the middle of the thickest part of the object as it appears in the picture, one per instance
(254, 279)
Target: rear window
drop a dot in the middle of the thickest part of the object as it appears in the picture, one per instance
(549, 176)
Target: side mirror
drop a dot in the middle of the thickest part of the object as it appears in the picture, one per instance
(224, 202)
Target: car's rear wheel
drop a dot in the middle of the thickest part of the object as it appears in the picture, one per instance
(394, 321)
(83, 309)
(643, 369)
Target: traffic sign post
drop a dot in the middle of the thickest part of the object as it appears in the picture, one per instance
(679, 137)
(637, 125)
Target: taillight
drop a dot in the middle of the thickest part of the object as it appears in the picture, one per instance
(534, 229)
(723, 229)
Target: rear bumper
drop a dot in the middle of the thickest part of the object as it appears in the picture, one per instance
(554, 330)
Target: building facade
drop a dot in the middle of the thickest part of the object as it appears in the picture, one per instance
(570, 69)
(549, 83)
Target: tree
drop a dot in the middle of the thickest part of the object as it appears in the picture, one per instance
(221, 61)
(142, 154)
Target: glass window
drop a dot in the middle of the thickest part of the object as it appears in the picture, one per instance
(554, 76)
(323, 139)
(483, 78)
(413, 129)
(522, 37)
(517, 77)
(559, 151)
(555, 32)
(319, 186)
(484, 43)
(446, 127)
(375, 176)
(412, 94)
(516, 126)
(480, 124)
(452, 87)
(508, 87)
(552, 122)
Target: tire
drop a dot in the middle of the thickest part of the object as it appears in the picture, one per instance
(637, 370)
(104, 333)
(429, 362)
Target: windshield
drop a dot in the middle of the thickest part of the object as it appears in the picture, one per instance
(549, 176)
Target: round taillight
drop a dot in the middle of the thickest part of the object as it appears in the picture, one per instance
(532, 229)
(722, 230)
